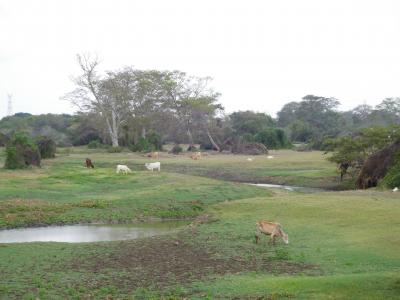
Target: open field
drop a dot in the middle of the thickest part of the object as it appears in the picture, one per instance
(343, 245)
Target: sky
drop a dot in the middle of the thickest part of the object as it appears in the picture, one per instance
(260, 54)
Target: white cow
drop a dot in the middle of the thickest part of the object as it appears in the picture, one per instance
(270, 156)
(395, 189)
(123, 168)
(152, 166)
(249, 159)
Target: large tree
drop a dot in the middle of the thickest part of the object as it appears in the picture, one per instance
(105, 95)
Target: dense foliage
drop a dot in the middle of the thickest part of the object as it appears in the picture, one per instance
(392, 178)
(21, 152)
(143, 109)
(46, 146)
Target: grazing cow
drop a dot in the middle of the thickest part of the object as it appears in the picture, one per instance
(153, 154)
(271, 228)
(270, 156)
(249, 159)
(124, 169)
(196, 156)
(152, 166)
(89, 163)
(395, 189)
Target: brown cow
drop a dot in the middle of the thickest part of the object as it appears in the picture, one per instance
(89, 163)
(271, 228)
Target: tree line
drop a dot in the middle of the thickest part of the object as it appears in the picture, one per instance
(146, 108)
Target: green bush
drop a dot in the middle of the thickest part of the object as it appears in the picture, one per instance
(21, 152)
(95, 144)
(392, 177)
(114, 149)
(176, 149)
(47, 147)
(143, 145)
(272, 138)
(155, 140)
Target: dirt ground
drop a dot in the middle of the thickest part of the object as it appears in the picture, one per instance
(160, 262)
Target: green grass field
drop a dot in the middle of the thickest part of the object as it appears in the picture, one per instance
(343, 244)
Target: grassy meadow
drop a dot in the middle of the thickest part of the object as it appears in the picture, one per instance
(343, 244)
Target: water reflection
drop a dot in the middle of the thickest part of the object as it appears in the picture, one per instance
(89, 233)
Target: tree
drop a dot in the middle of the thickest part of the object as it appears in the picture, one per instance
(106, 96)
(287, 114)
(391, 105)
(250, 122)
(312, 119)
(361, 113)
(196, 105)
(46, 147)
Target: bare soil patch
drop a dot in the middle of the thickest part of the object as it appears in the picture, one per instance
(159, 262)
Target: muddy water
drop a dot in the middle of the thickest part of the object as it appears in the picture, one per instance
(289, 187)
(89, 233)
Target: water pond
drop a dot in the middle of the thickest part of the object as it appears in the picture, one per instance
(289, 187)
(90, 232)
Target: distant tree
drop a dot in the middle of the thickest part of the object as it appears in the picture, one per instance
(312, 119)
(391, 105)
(250, 122)
(300, 131)
(287, 114)
(361, 113)
(105, 96)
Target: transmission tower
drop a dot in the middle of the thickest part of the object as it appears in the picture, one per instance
(9, 105)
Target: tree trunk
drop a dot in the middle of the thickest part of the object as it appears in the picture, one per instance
(144, 132)
(212, 141)
(113, 130)
(190, 137)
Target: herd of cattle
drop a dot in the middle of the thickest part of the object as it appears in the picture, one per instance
(272, 229)
(124, 169)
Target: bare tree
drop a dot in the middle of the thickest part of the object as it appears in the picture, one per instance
(102, 95)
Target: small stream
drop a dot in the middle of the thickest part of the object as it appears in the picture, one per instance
(90, 232)
(289, 187)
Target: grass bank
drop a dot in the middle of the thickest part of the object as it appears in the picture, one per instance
(343, 245)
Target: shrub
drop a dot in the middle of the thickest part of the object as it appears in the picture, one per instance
(273, 138)
(143, 145)
(95, 144)
(155, 140)
(392, 177)
(114, 149)
(151, 143)
(21, 152)
(176, 149)
(47, 147)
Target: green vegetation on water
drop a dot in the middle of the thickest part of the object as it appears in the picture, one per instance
(343, 245)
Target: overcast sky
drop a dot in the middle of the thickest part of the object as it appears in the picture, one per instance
(261, 54)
